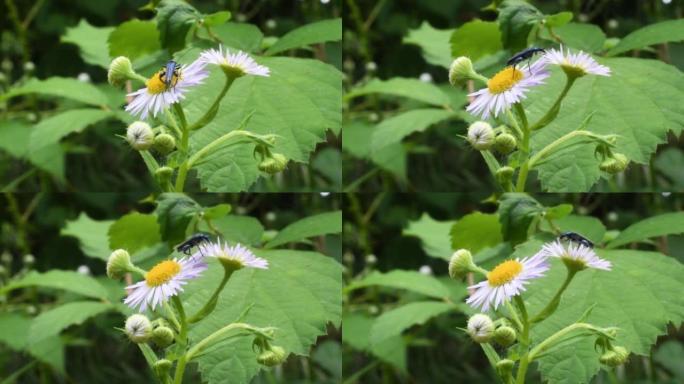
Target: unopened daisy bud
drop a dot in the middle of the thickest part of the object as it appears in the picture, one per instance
(505, 336)
(614, 357)
(163, 175)
(118, 264)
(164, 143)
(504, 367)
(461, 69)
(504, 175)
(480, 328)
(274, 164)
(120, 70)
(139, 135)
(162, 367)
(460, 264)
(162, 336)
(615, 164)
(29, 259)
(481, 135)
(272, 357)
(505, 143)
(138, 328)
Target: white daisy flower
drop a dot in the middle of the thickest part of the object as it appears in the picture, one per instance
(575, 64)
(508, 279)
(507, 88)
(163, 281)
(237, 64)
(156, 96)
(575, 255)
(234, 257)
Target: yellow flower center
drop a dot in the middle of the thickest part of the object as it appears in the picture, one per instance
(504, 273)
(162, 273)
(156, 84)
(504, 80)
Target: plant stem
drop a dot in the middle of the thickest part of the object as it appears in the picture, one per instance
(556, 336)
(182, 339)
(524, 340)
(174, 125)
(553, 304)
(556, 143)
(211, 112)
(524, 147)
(211, 304)
(553, 111)
(214, 336)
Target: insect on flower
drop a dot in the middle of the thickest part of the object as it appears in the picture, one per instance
(523, 55)
(170, 68)
(193, 241)
(577, 238)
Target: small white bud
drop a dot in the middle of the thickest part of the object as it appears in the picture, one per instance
(480, 328)
(461, 69)
(138, 328)
(481, 135)
(120, 70)
(140, 136)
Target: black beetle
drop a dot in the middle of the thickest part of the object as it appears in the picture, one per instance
(523, 55)
(192, 241)
(577, 238)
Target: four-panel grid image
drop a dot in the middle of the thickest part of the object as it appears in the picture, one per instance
(341, 191)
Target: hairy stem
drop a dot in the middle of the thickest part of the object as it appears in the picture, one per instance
(553, 304)
(211, 304)
(211, 112)
(555, 108)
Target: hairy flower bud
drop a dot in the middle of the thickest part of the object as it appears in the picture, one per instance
(273, 164)
(505, 143)
(162, 336)
(138, 328)
(614, 357)
(461, 262)
(615, 164)
(118, 264)
(504, 175)
(162, 367)
(505, 336)
(273, 356)
(480, 135)
(480, 328)
(164, 143)
(504, 367)
(120, 70)
(139, 135)
(461, 69)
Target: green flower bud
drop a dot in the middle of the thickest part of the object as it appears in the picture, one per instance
(272, 357)
(505, 143)
(118, 264)
(505, 336)
(461, 69)
(480, 328)
(163, 175)
(481, 135)
(614, 357)
(615, 164)
(164, 143)
(120, 70)
(162, 336)
(504, 175)
(504, 367)
(162, 367)
(138, 328)
(460, 264)
(274, 164)
(139, 135)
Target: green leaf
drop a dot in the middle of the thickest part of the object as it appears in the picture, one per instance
(50, 351)
(328, 354)
(133, 39)
(51, 130)
(559, 19)
(216, 18)
(661, 225)
(400, 279)
(314, 33)
(56, 279)
(52, 322)
(558, 212)
(476, 39)
(653, 282)
(394, 129)
(174, 212)
(317, 225)
(670, 355)
(641, 113)
(15, 330)
(517, 212)
(242, 36)
(433, 234)
(475, 232)
(299, 294)
(175, 18)
(403, 87)
(433, 42)
(516, 20)
(91, 234)
(299, 102)
(14, 137)
(91, 41)
(585, 37)
(50, 159)
(60, 87)
(133, 232)
(217, 212)
(241, 229)
(394, 322)
(356, 328)
(356, 138)
(392, 158)
(669, 162)
(658, 33)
